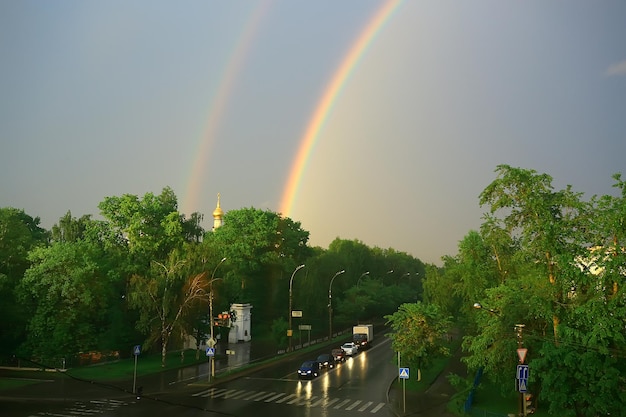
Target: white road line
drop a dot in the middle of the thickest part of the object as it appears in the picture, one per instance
(295, 400)
(252, 395)
(341, 404)
(262, 397)
(378, 407)
(367, 404)
(307, 401)
(324, 402)
(241, 394)
(275, 397)
(224, 394)
(354, 404)
(235, 394)
(288, 397)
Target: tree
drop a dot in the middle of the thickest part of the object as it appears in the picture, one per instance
(546, 222)
(419, 333)
(19, 234)
(68, 290)
(163, 297)
(263, 248)
(151, 225)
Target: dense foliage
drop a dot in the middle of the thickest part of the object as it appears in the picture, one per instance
(555, 263)
(543, 258)
(145, 273)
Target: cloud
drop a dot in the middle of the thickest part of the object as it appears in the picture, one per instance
(617, 69)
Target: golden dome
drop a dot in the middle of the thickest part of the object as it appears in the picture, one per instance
(217, 213)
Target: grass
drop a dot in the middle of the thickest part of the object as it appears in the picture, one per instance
(9, 383)
(489, 397)
(146, 364)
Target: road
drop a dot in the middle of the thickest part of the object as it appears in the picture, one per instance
(356, 387)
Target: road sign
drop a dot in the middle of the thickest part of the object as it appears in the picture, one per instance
(211, 342)
(210, 351)
(304, 327)
(521, 353)
(137, 350)
(404, 373)
(522, 372)
(296, 313)
(522, 386)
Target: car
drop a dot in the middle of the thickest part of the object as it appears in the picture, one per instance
(309, 370)
(339, 355)
(350, 348)
(326, 360)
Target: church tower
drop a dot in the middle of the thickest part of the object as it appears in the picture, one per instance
(218, 214)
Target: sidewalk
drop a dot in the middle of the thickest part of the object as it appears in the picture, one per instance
(434, 401)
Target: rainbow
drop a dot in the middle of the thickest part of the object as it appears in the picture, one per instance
(328, 98)
(231, 70)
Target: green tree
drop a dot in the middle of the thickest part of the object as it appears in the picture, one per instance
(419, 332)
(546, 222)
(164, 297)
(262, 249)
(19, 234)
(67, 290)
(152, 225)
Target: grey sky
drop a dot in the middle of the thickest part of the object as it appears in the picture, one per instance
(112, 97)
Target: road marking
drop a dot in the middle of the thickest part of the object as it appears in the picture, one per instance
(327, 403)
(224, 393)
(241, 394)
(262, 397)
(275, 397)
(252, 396)
(357, 402)
(367, 404)
(307, 401)
(288, 397)
(236, 395)
(378, 407)
(279, 398)
(341, 404)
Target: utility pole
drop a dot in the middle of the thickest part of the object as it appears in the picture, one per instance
(290, 330)
(518, 329)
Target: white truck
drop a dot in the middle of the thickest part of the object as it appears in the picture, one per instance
(363, 335)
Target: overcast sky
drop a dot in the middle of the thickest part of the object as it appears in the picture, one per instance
(104, 98)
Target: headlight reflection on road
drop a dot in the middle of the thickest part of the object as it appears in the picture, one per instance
(325, 383)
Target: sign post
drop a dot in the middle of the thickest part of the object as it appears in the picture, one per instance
(136, 352)
(404, 375)
(210, 352)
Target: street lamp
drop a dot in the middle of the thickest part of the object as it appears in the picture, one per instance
(362, 275)
(290, 331)
(211, 341)
(330, 305)
(480, 306)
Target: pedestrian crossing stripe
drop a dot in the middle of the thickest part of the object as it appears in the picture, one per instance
(292, 399)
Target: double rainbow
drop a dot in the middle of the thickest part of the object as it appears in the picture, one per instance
(325, 105)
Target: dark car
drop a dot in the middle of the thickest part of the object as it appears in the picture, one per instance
(326, 360)
(339, 355)
(309, 370)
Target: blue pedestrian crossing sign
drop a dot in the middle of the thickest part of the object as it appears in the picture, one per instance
(137, 350)
(522, 372)
(522, 385)
(210, 351)
(404, 373)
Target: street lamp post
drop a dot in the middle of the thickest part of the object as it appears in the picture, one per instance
(362, 275)
(330, 304)
(211, 341)
(290, 331)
